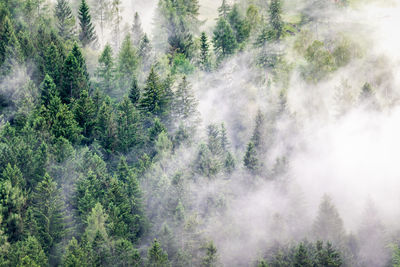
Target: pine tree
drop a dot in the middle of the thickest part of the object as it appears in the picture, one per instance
(10, 50)
(53, 62)
(224, 9)
(156, 256)
(301, 257)
(239, 25)
(77, 52)
(137, 31)
(204, 53)
(152, 94)
(48, 89)
(105, 128)
(116, 19)
(258, 132)
(47, 209)
(87, 33)
(134, 93)
(74, 255)
(74, 79)
(102, 13)
(145, 52)
(224, 39)
(96, 223)
(211, 258)
(185, 101)
(65, 19)
(275, 20)
(250, 158)
(328, 226)
(105, 70)
(127, 64)
(85, 113)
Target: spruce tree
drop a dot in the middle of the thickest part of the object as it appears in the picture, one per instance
(48, 89)
(145, 52)
(204, 53)
(275, 18)
(156, 256)
(152, 94)
(224, 9)
(105, 70)
(185, 102)
(137, 31)
(87, 33)
(85, 113)
(47, 209)
(65, 19)
(224, 39)
(116, 21)
(127, 64)
(211, 258)
(250, 158)
(134, 93)
(301, 257)
(74, 79)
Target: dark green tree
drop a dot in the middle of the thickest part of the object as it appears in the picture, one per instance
(275, 18)
(85, 114)
(47, 209)
(65, 19)
(134, 93)
(224, 9)
(185, 103)
(74, 255)
(127, 64)
(156, 256)
(105, 70)
(211, 258)
(137, 30)
(204, 61)
(239, 25)
(224, 39)
(250, 159)
(153, 94)
(48, 89)
(87, 34)
(302, 257)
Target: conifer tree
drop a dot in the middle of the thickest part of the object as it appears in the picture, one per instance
(48, 89)
(204, 53)
(116, 21)
(328, 226)
(74, 255)
(137, 31)
(224, 9)
(301, 257)
(145, 52)
(224, 39)
(185, 101)
(105, 70)
(275, 19)
(250, 158)
(156, 256)
(134, 93)
(10, 50)
(87, 34)
(53, 63)
(211, 258)
(47, 209)
(102, 13)
(85, 113)
(65, 19)
(151, 100)
(127, 64)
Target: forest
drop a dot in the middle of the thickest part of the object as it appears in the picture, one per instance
(260, 133)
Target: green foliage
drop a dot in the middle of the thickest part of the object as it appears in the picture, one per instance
(74, 255)
(224, 40)
(28, 251)
(211, 258)
(127, 64)
(153, 98)
(204, 60)
(85, 114)
(180, 64)
(250, 159)
(134, 93)
(105, 70)
(137, 31)
(66, 21)
(87, 34)
(321, 62)
(156, 257)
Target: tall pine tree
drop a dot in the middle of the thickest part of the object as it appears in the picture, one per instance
(87, 33)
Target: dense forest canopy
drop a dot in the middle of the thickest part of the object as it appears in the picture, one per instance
(199, 133)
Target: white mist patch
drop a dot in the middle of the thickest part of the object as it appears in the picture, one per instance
(352, 159)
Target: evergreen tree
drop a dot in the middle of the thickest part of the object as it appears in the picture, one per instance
(105, 70)
(47, 210)
(211, 258)
(53, 62)
(153, 94)
(258, 132)
(328, 225)
(275, 20)
(106, 127)
(116, 20)
(134, 93)
(10, 50)
(87, 33)
(185, 101)
(28, 251)
(301, 257)
(102, 13)
(137, 31)
(156, 256)
(239, 25)
(127, 64)
(224, 9)
(205, 63)
(74, 79)
(48, 89)
(145, 52)
(65, 19)
(74, 255)
(250, 158)
(85, 113)
(224, 39)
